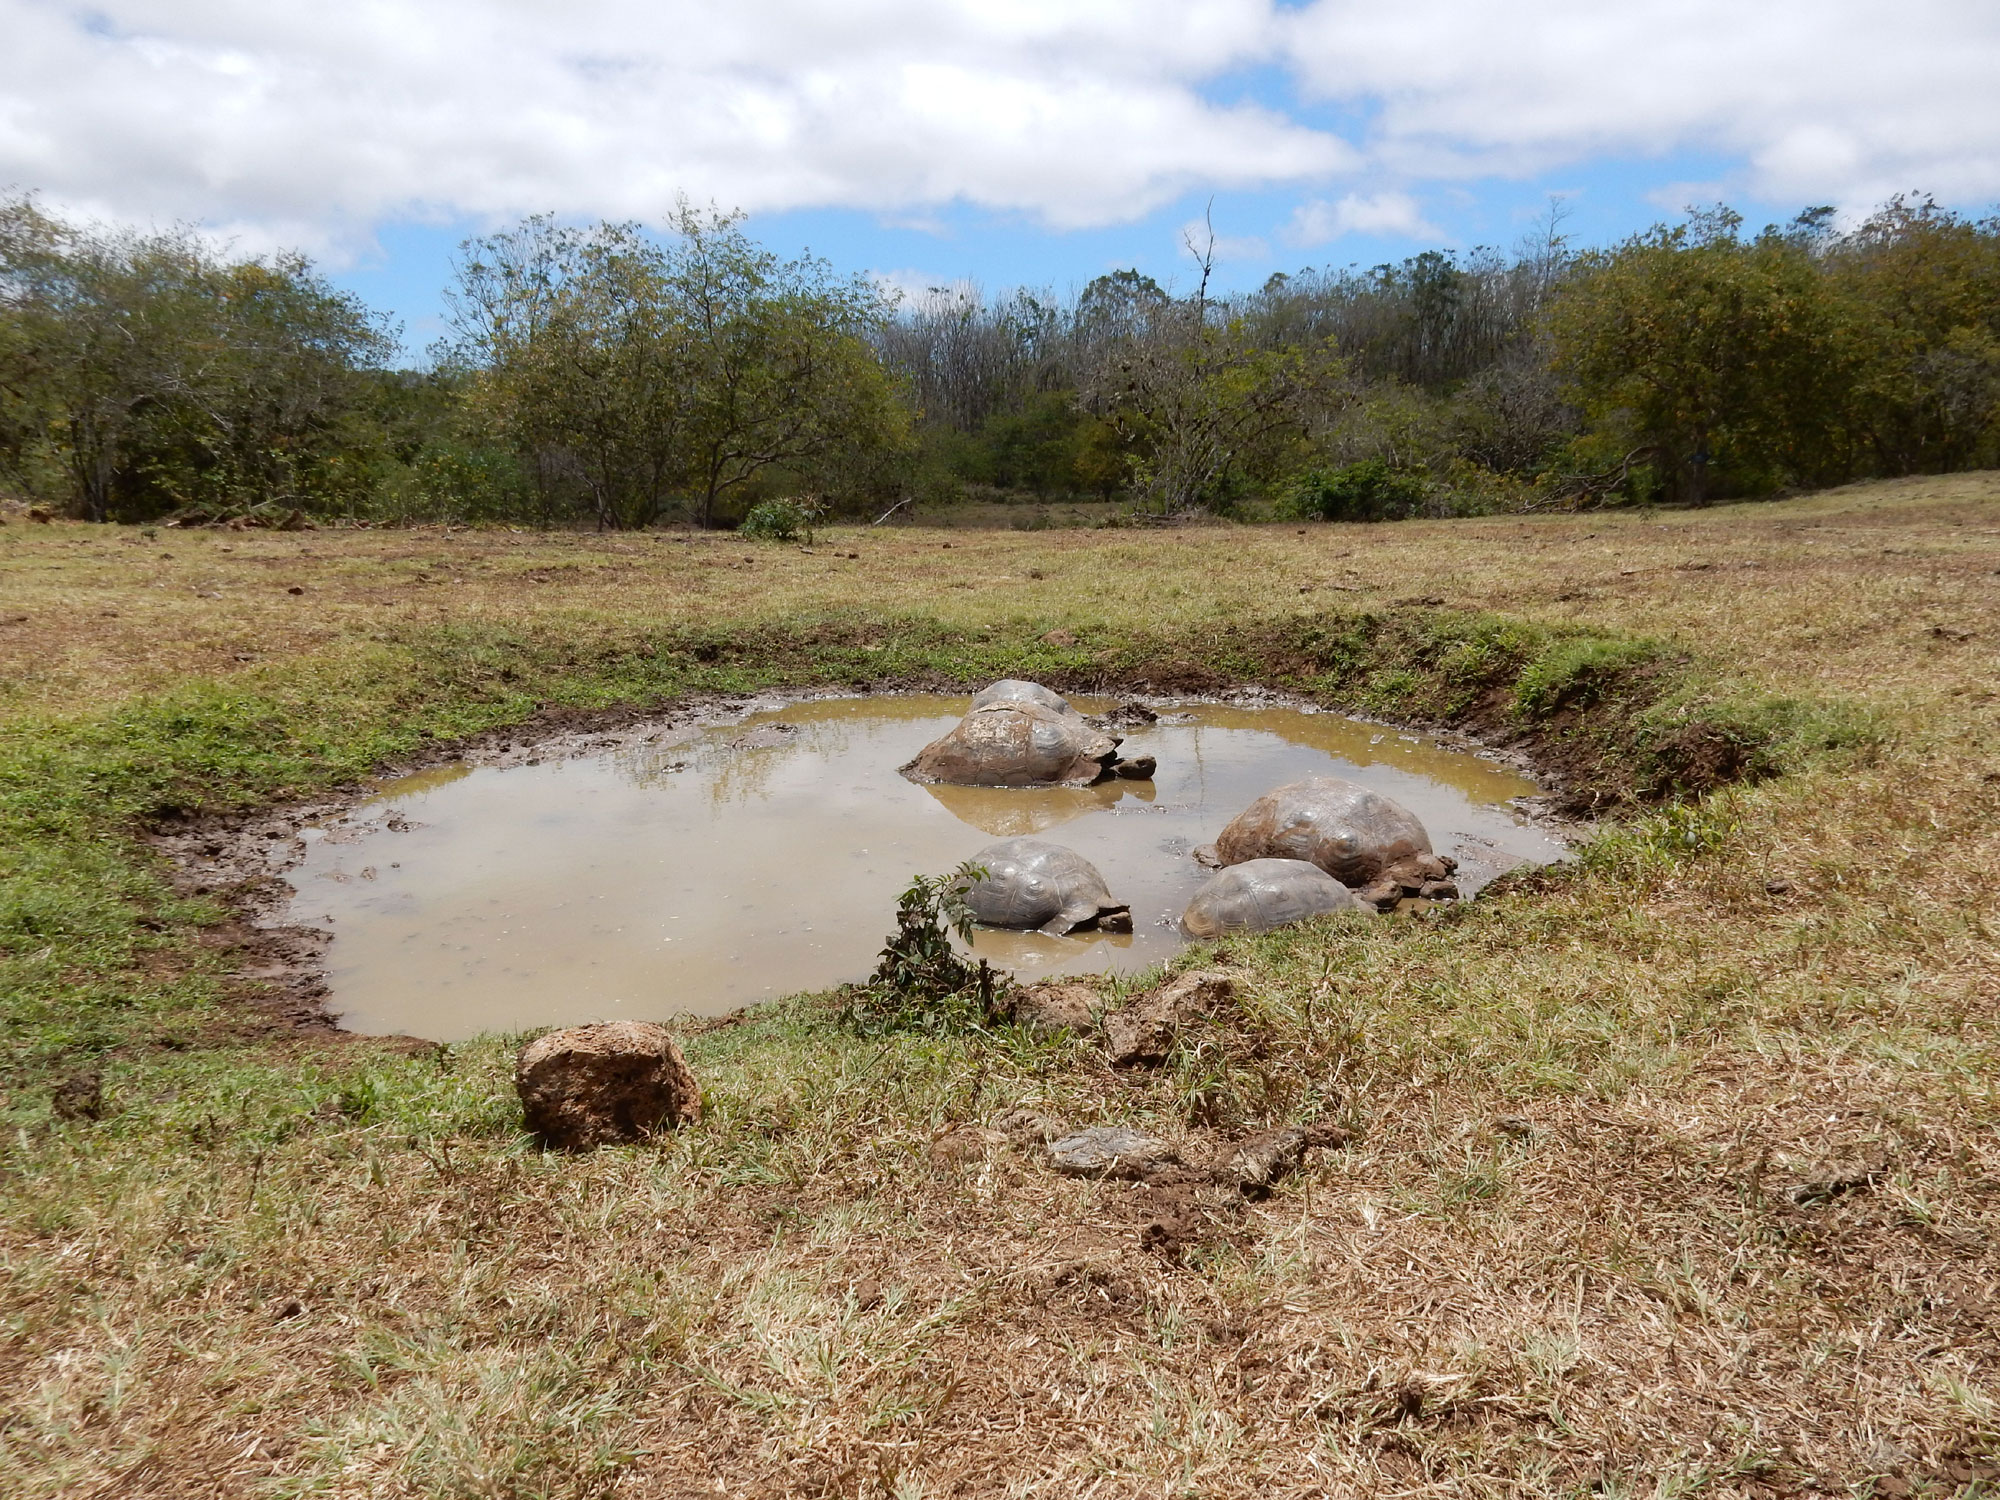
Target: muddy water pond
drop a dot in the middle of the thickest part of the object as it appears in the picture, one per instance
(705, 868)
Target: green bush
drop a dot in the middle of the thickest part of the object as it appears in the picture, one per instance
(466, 483)
(788, 520)
(921, 982)
(1366, 491)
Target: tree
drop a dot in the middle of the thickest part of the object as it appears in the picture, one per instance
(635, 375)
(1192, 391)
(1119, 308)
(783, 370)
(1713, 354)
(581, 364)
(1924, 287)
(151, 373)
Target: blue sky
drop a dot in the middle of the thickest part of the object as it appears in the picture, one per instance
(959, 244)
(1037, 142)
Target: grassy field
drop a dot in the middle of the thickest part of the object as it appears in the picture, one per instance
(1672, 1173)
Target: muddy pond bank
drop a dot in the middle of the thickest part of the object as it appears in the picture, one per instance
(732, 853)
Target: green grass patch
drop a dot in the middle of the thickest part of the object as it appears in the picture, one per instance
(90, 920)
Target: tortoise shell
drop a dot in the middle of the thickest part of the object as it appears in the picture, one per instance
(1009, 743)
(1348, 831)
(1261, 894)
(1016, 690)
(1033, 884)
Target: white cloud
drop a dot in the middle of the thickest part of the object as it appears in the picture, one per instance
(1818, 100)
(1316, 221)
(283, 122)
(921, 289)
(318, 121)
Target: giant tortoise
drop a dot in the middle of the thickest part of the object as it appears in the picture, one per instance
(1032, 884)
(1022, 734)
(1261, 894)
(1010, 743)
(1016, 690)
(1359, 837)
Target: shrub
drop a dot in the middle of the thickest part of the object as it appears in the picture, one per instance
(921, 982)
(788, 520)
(1365, 491)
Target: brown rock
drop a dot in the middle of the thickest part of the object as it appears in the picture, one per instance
(1381, 894)
(1260, 1161)
(1050, 1006)
(1141, 1033)
(587, 1086)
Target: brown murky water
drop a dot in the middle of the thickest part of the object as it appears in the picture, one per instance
(747, 861)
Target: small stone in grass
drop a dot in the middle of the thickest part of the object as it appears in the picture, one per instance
(1258, 1163)
(1024, 1127)
(1109, 1151)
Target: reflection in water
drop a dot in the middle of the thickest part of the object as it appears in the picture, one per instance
(711, 868)
(1003, 812)
(418, 782)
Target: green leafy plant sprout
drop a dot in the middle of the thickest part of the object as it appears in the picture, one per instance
(921, 981)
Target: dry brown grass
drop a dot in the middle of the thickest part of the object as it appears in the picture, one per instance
(1877, 590)
(1667, 1180)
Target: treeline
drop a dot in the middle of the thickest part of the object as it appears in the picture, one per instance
(606, 376)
